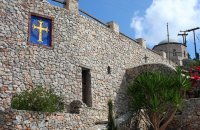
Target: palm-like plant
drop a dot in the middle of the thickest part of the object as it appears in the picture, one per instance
(159, 95)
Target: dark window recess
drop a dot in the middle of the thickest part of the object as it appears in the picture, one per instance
(109, 70)
(174, 52)
(86, 87)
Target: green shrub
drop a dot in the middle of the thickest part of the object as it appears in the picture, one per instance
(38, 99)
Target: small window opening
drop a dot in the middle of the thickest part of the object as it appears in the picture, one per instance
(86, 87)
(109, 70)
(174, 52)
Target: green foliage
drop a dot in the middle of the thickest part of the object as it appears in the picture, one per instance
(194, 63)
(111, 120)
(182, 82)
(38, 99)
(158, 94)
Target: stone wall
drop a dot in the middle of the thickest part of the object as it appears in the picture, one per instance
(133, 73)
(129, 77)
(78, 42)
(27, 120)
(189, 116)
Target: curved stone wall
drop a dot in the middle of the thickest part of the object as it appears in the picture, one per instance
(130, 75)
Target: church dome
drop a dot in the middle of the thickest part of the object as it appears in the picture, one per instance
(166, 41)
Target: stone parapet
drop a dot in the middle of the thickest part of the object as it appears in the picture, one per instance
(72, 6)
(29, 120)
(141, 42)
(114, 26)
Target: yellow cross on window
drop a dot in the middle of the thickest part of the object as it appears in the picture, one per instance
(40, 29)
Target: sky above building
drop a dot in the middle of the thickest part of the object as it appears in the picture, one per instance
(148, 18)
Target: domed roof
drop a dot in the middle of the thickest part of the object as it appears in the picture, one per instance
(166, 41)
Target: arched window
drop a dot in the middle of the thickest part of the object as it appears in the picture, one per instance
(174, 52)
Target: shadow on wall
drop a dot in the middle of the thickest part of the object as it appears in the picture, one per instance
(132, 73)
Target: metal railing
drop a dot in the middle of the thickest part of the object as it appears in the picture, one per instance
(91, 17)
(60, 1)
(95, 19)
(102, 23)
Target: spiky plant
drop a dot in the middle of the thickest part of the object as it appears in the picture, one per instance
(111, 120)
(159, 95)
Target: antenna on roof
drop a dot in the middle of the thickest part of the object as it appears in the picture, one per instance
(167, 33)
(168, 41)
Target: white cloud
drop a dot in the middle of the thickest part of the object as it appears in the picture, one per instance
(180, 14)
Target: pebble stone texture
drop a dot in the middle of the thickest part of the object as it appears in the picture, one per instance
(28, 120)
(189, 119)
(78, 42)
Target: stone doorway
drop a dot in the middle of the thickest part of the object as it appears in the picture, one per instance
(86, 87)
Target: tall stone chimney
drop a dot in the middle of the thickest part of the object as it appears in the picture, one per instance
(141, 42)
(114, 26)
(72, 6)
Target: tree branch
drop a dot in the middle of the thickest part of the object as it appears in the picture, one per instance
(164, 126)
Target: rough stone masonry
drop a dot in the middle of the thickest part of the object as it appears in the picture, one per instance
(87, 61)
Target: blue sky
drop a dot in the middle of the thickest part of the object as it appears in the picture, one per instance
(120, 11)
(148, 18)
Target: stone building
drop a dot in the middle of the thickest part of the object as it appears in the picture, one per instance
(173, 50)
(81, 59)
